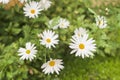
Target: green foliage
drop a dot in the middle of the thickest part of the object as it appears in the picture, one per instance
(16, 30)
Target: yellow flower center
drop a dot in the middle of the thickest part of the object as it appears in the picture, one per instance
(62, 25)
(48, 40)
(78, 34)
(28, 51)
(100, 22)
(52, 63)
(32, 11)
(81, 46)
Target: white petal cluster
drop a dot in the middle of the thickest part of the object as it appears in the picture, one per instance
(101, 22)
(81, 44)
(62, 23)
(4, 1)
(80, 32)
(32, 9)
(29, 52)
(49, 38)
(45, 4)
(52, 66)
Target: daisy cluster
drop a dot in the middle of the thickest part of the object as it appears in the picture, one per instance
(81, 44)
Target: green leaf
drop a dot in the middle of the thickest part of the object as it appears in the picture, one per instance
(26, 31)
(93, 12)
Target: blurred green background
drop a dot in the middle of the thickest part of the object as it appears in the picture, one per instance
(16, 30)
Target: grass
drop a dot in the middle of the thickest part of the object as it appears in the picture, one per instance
(99, 68)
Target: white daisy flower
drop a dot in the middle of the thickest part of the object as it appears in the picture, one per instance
(80, 32)
(22, 1)
(45, 4)
(101, 22)
(4, 1)
(63, 23)
(82, 46)
(28, 52)
(32, 9)
(49, 38)
(52, 66)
